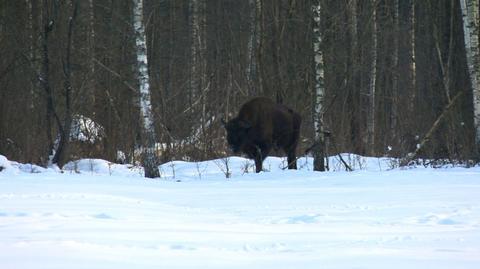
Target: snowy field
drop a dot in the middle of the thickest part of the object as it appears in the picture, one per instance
(101, 215)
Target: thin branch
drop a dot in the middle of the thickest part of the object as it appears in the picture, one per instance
(407, 159)
(129, 86)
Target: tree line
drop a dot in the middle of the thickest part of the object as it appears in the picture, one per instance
(374, 77)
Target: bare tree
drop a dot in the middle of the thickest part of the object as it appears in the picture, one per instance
(146, 113)
(91, 51)
(261, 45)
(445, 65)
(471, 36)
(395, 89)
(372, 86)
(352, 9)
(351, 122)
(252, 46)
(198, 47)
(64, 126)
(31, 41)
(198, 81)
(48, 22)
(319, 91)
(412, 60)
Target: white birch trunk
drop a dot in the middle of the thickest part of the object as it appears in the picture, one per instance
(198, 83)
(146, 114)
(198, 47)
(372, 86)
(471, 33)
(319, 148)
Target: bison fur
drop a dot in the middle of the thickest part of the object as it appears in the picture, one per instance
(262, 125)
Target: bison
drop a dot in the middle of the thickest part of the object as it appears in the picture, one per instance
(262, 125)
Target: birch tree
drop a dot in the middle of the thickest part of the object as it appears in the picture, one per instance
(198, 80)
(198, 47)
(319, 91)
(149, 159)
(471, 34)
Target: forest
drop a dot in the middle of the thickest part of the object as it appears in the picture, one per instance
(108, 79)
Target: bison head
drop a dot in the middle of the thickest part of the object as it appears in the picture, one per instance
(237, 133)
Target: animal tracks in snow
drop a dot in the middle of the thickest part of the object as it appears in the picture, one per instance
(396, 219)
(463, 217)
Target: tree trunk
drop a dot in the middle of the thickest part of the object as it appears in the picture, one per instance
(44, 78)
(252, 48)
(352, 6)
(260, 51)
(194, 48)
(62, 152)
(471, 36)
(91, 47)
(276, 48)
(412, 62)
(350, 104)
(149, 159)
(395, 90)
(198, 47)
(198, 80)
(31, 48)
(372, 85)
(319, 91)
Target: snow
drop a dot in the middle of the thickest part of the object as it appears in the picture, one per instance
(86, 130)
(95, 214)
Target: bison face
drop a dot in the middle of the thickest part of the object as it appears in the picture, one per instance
(237, 133)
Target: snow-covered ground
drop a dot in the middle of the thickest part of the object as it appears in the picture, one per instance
(101, 215)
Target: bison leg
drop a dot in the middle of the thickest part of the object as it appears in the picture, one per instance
(260, 155)
(291, 156)
(292, 159)
(258, 159)
(258, 164)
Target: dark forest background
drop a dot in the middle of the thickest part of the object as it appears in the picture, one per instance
(204, 62)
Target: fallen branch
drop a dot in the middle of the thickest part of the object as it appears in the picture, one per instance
(347, 167)
(412, 155)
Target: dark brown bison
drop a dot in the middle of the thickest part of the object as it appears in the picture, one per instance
(262, 125)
